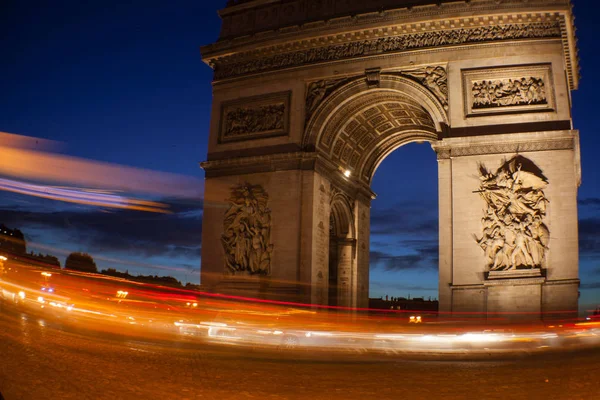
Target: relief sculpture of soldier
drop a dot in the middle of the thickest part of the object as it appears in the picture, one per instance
(514, 234)
(247, 231)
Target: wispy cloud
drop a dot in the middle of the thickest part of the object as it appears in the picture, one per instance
(176, 235)
(589, 202)
(591, 285)
(589, 237)
(401, 286)
(408, 217)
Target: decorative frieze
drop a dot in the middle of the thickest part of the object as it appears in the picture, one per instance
(514, 234)
(229, 68)
(255, 117)
(247, 231)
(508, 89)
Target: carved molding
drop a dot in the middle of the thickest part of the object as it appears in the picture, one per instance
(327, 120)
(247, 231)
(516, 89)
(229, 68)
(434, 78)
(338, 194)
(521, 281)
(255, 117)
(399, 17)
(289, 161)
(515, 236)
(503, 148)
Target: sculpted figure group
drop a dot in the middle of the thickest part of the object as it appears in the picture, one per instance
(508, 92)
(514, 234)
(247, 227)
(241, 121)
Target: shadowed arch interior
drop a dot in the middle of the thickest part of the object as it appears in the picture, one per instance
(356, 126)
(341, 247)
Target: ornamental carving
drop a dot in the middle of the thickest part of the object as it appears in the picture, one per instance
(508, 89)
(247, 227)
(433, 78)
(319, 90)
(255, 117)
(508, 92)
(420, 40)
(245, 120)
(514, 233)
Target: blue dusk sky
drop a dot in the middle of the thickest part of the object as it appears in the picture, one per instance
(123, 82)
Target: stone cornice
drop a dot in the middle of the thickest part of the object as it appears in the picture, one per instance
(390, 23)
(389, 41)
(502, 144)
(449, 10)
(286, 162)
(515, 282)
(271, 160)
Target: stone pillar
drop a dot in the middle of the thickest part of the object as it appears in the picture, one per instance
(445, 231)
(346, 248)
(314, 255)
(513, 243)
(362, 218)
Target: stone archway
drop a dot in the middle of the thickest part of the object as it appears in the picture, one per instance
(342, 252)
(353, 128)
(304, 113)
(362, 121)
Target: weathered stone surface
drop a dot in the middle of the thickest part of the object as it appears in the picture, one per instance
(483, 81)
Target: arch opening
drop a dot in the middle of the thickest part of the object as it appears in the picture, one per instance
(355, 129)
(342, 252)
(404, 235)
(357, 126)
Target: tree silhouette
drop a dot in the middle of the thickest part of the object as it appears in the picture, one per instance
(81, 262)
(44, 260)
(12, 241)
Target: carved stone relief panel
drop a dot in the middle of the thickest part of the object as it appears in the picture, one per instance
(508, 90)
(255, 117)
(514, 233)
(317, 91)
(433, 77)
(247, 231)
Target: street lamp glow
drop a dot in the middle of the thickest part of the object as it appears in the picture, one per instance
(46, 274)
(3, 258)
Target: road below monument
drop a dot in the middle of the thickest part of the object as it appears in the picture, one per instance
(43, 359)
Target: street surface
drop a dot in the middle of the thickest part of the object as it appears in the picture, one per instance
(42, 359)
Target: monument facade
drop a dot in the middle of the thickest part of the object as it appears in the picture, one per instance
(310, 96)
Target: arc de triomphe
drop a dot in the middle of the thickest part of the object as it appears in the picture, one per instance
(310, 96)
